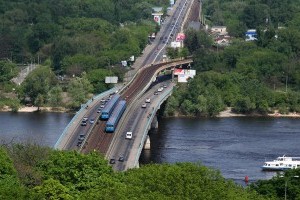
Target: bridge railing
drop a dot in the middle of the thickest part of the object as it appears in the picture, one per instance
(127, 111)
(163, 97)
(79, 114)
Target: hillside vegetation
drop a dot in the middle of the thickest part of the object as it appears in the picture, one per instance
(72, 38)
(251, 77)
(32, 172)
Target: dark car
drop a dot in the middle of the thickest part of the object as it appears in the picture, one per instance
(121, 159)
(79, 143)
(112, 161)
(155, 93)
(81, 137)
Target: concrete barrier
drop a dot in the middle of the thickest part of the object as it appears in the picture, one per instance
(148, 125)
(66, 134)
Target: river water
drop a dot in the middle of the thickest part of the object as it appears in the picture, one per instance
(235, 146)
(40, 128)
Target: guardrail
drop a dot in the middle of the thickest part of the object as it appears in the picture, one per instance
(79, 113)
(149, 121)
(120, 127)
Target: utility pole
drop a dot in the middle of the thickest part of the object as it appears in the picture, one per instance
(286, 79)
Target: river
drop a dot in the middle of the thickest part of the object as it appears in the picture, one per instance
(41, 128)
(235, 146)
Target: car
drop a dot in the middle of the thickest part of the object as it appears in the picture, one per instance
(160, 89)
(165, 86)
(121, 158)
(83, 123)
(79, 143)
(155, 93)
(92, 121)
(98, 110)
(85, 119)
(144, 105)
(112, 161)
(128, 135)
(102, 106)
(148, 100)
(81, 136)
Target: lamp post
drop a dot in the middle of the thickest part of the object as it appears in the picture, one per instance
(285, 185)
(286, 80)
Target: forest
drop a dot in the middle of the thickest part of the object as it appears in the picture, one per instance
(86, 40)
(255, 77)
(33, 172)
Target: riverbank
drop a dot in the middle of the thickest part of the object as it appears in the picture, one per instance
(223, 114)
(29, 109)
(229, 113)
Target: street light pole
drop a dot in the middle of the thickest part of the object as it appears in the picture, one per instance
(285, 185)
(286, 79)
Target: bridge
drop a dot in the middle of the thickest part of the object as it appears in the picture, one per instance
(143, 82)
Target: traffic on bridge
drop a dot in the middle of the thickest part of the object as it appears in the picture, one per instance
(116, 122)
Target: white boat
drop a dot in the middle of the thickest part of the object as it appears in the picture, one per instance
(282, 163)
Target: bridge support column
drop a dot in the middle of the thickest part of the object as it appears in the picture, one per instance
(154, 123)
(173, 74)
(147, 143)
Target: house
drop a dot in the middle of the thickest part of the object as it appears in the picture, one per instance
(220, 30)
(222, 41)
(251, 35)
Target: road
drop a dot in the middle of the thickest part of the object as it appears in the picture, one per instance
(96, 138)
(135, 122)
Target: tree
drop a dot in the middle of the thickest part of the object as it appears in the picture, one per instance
(55, 96)
(97, 79)
(78, 89)
(52, 189)
(7, 71)
(39, 101)
(37, 84)
(243, 105)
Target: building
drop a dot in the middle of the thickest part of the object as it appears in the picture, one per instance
(219, 30)
(251, 35)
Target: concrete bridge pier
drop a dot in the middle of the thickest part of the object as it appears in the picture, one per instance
(147, 143)
(154, 123)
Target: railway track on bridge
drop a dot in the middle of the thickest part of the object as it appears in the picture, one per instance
(99, 140)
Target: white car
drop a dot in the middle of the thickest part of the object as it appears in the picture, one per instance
(129, 135)
(148, 100)
(144, 105)
(160, 89)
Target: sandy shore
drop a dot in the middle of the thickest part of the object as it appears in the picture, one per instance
(34, 109)
(229, 113)
(225, 113)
